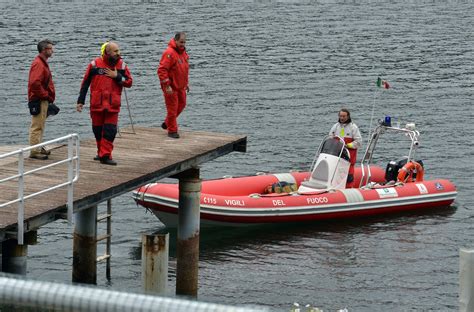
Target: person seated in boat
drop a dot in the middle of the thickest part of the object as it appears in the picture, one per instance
(350, 133)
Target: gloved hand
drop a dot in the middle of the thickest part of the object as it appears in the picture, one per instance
(350, 145)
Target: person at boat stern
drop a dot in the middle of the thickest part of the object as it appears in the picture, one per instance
(106, 75)
(348, 131)
(173, 72)
(41, 92)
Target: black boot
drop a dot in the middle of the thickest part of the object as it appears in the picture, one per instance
(107, 161)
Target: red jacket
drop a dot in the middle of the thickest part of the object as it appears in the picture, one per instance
(40, 81)
(174, 68)
(106, 93)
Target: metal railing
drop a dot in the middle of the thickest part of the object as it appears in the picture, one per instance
(369, 152)
(61, 297)
(72, 161)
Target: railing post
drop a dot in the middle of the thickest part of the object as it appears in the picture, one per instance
(84, 268)
(70, 178)
(187, 252)
(21, 203)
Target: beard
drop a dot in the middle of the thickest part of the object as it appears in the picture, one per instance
(113, 60)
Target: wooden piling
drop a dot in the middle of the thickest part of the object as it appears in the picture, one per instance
(155, 251)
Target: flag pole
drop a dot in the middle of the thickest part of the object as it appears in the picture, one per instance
(372, 115)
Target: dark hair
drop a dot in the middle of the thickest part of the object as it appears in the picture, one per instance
(178, 35)
(345, 110)
(43, 44)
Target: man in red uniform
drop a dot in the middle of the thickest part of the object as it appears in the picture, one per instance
(106, 76)
(173, 73)
(40, 90)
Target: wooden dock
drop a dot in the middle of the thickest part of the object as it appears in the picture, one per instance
(143, 157)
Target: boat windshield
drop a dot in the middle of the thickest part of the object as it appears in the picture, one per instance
(333, 146)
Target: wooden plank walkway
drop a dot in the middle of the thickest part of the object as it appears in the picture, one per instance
(147, 156)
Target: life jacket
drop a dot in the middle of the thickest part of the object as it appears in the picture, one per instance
(347, 132)
(106, 93)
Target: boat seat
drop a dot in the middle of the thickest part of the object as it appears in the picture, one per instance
(316, 184)
(319, 177)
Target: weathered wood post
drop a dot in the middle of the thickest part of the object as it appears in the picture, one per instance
(84, 256)
(187, 249)
(155, 262)
(466, 280)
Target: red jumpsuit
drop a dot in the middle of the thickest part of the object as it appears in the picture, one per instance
(173, 71)
(353, 155)
(105, 100)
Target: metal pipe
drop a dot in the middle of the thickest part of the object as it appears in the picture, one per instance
(70, 177)
(129, 112)
(62, 297)
(21, 203)
(14, 257)
(187, 252)
(109, 239)
(155, 263)
(84, 257)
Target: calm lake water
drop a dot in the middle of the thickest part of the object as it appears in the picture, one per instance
(277, 72)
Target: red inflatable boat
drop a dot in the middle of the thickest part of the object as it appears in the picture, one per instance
(315, 195)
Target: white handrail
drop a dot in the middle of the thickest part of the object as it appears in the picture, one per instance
(73, 175)
(38, 295)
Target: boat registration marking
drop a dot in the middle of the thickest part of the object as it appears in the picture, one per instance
(317, 200)
(422, 188)
(209, 200)
(387, 192)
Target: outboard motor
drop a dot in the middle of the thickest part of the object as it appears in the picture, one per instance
(391, 172)
(331, 168)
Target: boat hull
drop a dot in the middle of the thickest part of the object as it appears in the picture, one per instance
(232, 202)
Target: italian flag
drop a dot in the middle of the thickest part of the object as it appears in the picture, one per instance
(382, 83)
